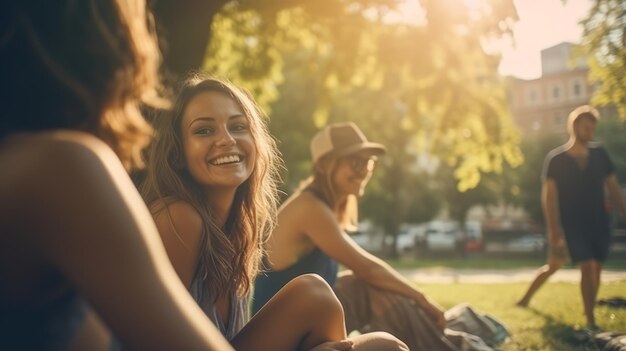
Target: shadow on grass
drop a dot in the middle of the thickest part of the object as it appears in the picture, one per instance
(562, 336)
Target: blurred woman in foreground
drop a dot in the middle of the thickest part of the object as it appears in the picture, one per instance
(80, 256)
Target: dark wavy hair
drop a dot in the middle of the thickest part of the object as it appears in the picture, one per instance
(79, 64)
(231, 254)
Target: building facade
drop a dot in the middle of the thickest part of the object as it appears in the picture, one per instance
(542, 105)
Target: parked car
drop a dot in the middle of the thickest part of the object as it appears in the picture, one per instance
(366, 236)
(473, 241)
(442, 236)
(410, 237)
(530, 243)
(520, 241)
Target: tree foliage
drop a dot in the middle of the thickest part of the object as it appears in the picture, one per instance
(604, 42)
(612, 134)
(535, 150)
(423, 88)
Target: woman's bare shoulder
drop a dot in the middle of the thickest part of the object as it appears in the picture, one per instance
(54, 159)
(54, 151)
(64, 177)
(304, 206)
(299, 201)
(177, 215)
(177, 208)
(42, 141)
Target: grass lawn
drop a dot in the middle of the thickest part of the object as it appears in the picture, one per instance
(487, 263)
(547, 324)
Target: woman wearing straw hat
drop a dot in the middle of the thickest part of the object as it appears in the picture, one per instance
(311, 238)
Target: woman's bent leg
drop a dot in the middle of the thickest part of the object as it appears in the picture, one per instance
(303, 314)
(378, 341)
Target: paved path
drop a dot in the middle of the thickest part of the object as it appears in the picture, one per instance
(448, 275)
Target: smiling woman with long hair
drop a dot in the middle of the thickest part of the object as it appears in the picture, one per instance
(231, 234)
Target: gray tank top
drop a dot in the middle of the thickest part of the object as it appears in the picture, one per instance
(237, 311)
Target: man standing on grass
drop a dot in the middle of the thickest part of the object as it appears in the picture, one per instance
(575, 177)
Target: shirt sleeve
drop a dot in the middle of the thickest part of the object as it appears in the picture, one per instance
(549, 169)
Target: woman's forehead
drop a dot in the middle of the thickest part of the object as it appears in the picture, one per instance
(211, 105)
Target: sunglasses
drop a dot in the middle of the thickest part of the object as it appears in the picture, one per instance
(359, 163)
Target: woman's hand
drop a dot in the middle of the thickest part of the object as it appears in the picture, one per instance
(342, 345)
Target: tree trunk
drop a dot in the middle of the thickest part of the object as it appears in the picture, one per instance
(184, 30)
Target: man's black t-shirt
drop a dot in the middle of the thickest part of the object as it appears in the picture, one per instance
(581, 196)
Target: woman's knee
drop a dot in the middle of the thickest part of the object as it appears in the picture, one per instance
(380, 341)
(315, 290)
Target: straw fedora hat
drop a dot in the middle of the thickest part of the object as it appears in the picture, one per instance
(340, 139)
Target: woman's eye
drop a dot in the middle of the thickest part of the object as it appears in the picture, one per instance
(239, 127)
(203, 131)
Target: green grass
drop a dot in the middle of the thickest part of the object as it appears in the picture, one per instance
(554, 314)
(486, 263)
(547, 324)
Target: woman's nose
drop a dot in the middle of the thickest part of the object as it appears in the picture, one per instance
(225, 138)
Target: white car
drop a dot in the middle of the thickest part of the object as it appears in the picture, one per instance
(410, 235)
(530, 243)
(442, 236)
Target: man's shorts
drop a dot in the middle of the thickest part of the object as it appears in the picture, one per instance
(587, 244)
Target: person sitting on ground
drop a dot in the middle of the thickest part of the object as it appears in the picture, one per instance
(80, 256)
(211, 187)
(311, 237)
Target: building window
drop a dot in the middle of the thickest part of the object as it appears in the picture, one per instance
(556, 93)
(577, 89)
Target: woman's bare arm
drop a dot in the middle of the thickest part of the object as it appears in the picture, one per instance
(321, 226)
(180, 227)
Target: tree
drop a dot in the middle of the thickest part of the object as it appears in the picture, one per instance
(611, 133)
(604, 42)
(422, 88)
(184, 31)
(535, 150)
